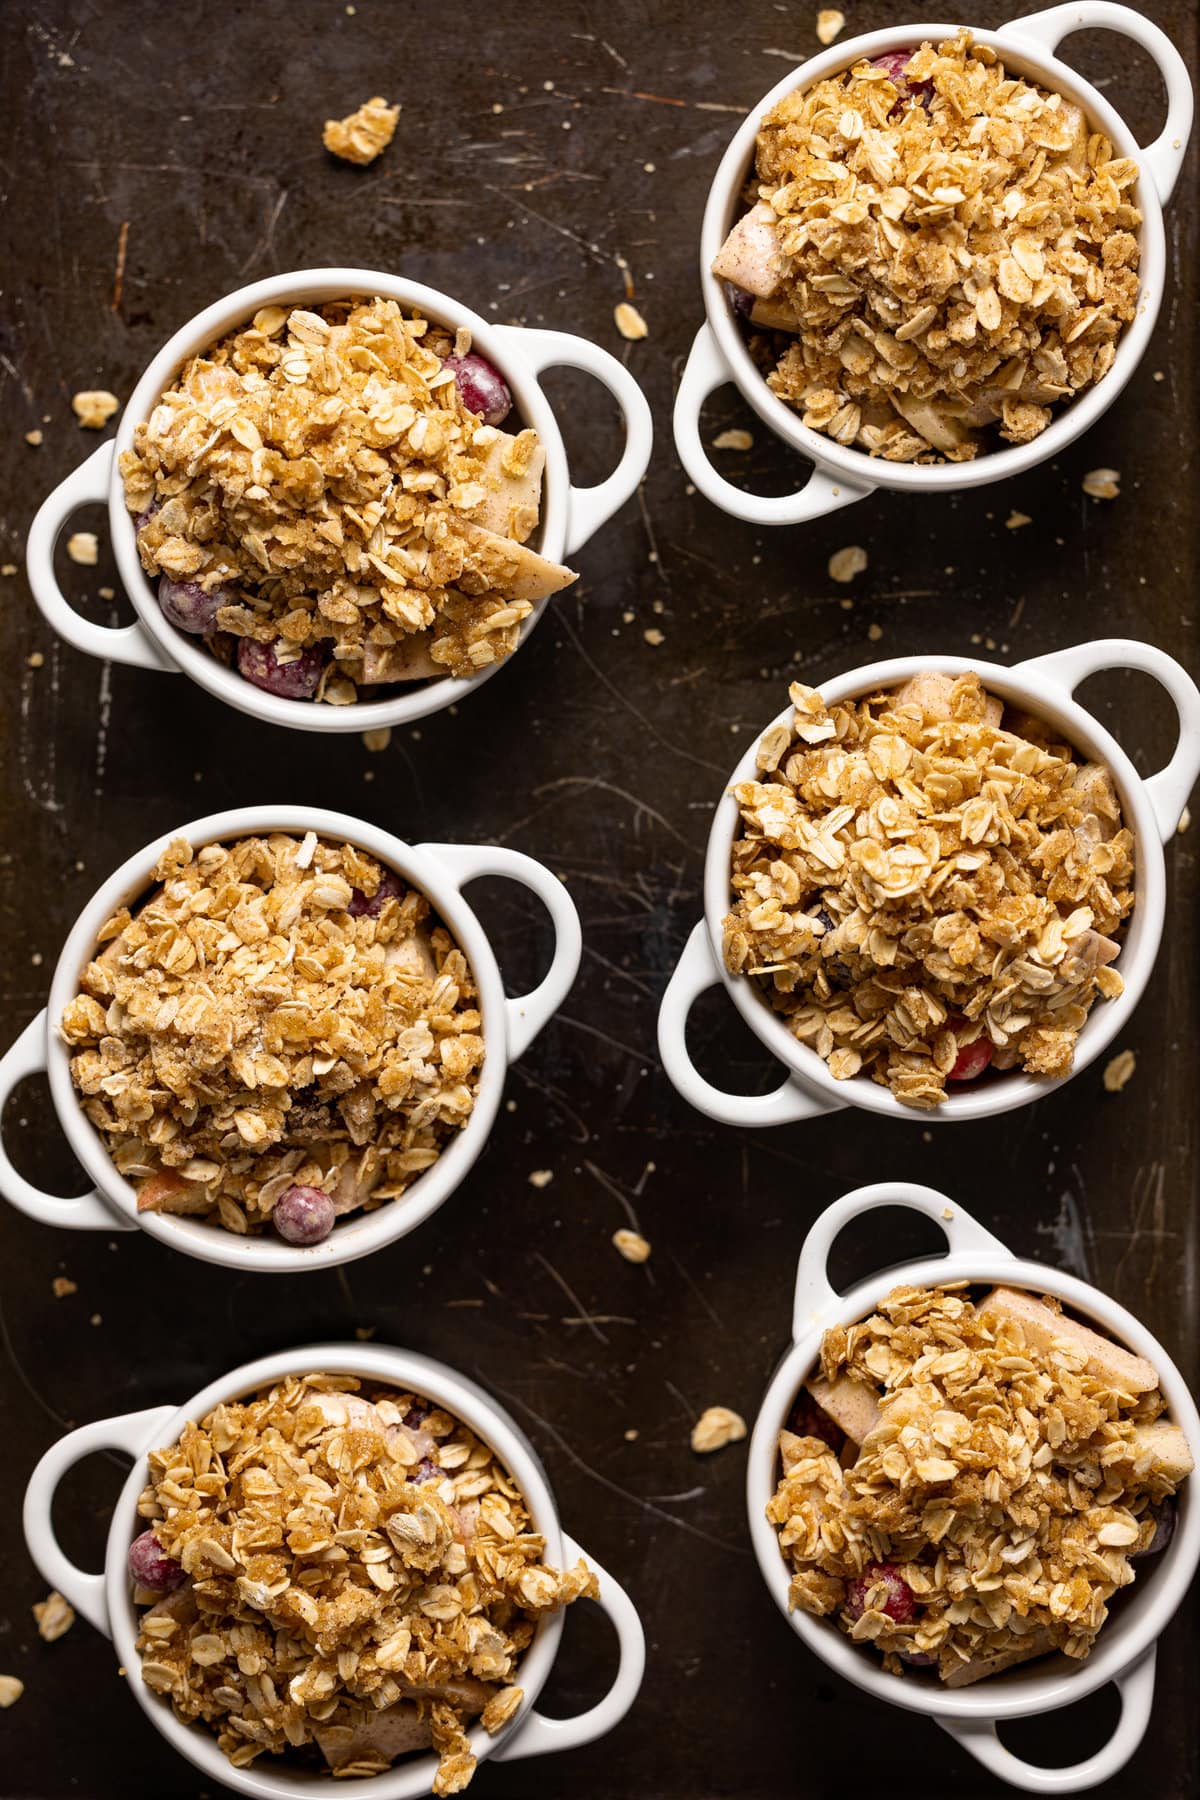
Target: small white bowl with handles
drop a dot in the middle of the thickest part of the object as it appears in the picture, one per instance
(1125, 1648)
(840, 475)
(569, 515)
(1151, 807)
(509, 1026)
(106, 1600)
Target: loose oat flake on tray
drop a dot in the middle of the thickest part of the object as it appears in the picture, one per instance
(281, 1033)
(326, 497)
(968, 1480)
(935, 250)
(339, 1573)
(927, 884)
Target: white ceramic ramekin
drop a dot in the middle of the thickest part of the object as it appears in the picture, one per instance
(1151, 807)
(840, 476)
(1125, 1648)
(107, 1600)
(570, 515)
(440, 871)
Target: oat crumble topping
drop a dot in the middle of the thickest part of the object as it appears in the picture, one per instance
(279, 1012)
(968, 1481)
(362, 135)
(316, 483)
(352, 1575)
(947, 249)
(922, 874)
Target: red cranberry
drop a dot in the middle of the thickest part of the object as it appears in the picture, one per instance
(895, 64)
(896, 1600)
(304, 1215)
(482, 387)
(150, 1567)
(973, 1058)
(426, 1470)
(390, 886)
(296, 680)
(807, 1419)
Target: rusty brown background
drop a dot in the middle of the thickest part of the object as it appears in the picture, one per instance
(543, 150)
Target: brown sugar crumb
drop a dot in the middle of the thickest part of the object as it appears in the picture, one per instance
(1004, 1466)
(937, 250)
(54, 1615)
(62, 1286)
(319, 475)
(11, 1689)
(34, 437)
(413, 1630)
(715, 1428)
(278, 1013)
(541, 1178)
(362, 135)
(920, 871)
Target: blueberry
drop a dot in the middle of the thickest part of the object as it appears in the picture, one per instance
(188, 606)
(360, 907)
(296, 680)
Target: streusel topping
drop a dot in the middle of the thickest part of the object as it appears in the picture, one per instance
(919, 872)
(279, 1012)
(950, 247)
(1012, 1464)
(342, 1571)
(318, 475)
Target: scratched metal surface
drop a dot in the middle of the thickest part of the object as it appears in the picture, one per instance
(546, 154)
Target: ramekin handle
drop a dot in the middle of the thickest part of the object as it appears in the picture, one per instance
(706, 370)
(816, 1294)
(591, 507)
(694, 974)
(131, 1432)
(123, 644)
(1136, 1689)
(1169, 789)
(81, 1212)
(532, 1734)
(1045, 31)
(526, 1013)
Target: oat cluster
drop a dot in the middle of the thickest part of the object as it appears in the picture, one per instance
(917, 870)
(320, 470)
(362, 1579)
(959, 251)
(1009, 1477)
(364, 134)
(278, 1011)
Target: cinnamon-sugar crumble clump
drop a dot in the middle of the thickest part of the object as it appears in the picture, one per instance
(918, 870)
(320, 471)
(279, 1011)
(361, 1579)
(1017, 1462)
(955, 249)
